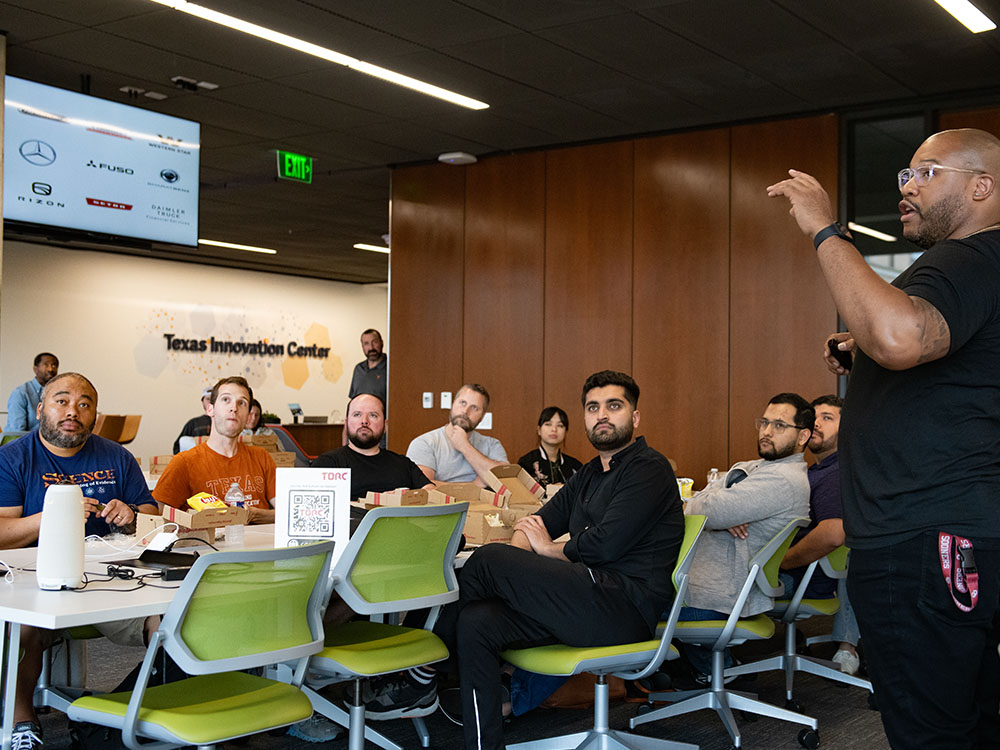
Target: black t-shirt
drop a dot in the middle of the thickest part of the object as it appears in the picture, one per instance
(625, 524)
(920, 448)
(194, 427)
(382, 472)
(544, 471)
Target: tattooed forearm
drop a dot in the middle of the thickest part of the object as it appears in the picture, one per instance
(935, 337)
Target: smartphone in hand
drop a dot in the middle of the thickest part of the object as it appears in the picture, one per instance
(843, 358)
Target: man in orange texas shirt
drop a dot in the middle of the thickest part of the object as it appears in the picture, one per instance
(213, 466)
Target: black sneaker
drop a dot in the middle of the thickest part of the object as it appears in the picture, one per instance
(27, 735)
(399, 696)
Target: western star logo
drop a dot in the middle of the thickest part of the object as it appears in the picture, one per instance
(109, 204)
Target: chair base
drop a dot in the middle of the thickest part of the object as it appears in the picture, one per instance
(354, 725)
(609, 739)
(723, 702)
(791, 662)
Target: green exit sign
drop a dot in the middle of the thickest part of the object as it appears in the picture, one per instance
(295, 167)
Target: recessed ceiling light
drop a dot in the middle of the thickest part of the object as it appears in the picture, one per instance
(373, 248)
(861, 228)
(457, 157)
(155, 95)
(968, 15)
(339, 58)
(234, 246)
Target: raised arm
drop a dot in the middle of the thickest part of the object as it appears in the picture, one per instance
(895, 329)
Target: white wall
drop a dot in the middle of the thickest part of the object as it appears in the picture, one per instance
(104, 315)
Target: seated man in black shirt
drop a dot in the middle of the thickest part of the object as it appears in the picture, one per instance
(373, 469)
(606, 585)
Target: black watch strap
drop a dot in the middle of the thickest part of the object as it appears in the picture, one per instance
(835, 229)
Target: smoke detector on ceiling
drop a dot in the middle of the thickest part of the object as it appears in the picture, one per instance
(457, 157)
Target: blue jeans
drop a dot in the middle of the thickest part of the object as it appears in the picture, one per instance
(700, 657)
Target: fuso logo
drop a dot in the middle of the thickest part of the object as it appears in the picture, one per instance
(38, 153)
(41, 188)
(110, 167)
(109, 204)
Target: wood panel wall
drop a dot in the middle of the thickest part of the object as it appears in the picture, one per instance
(588, 274)
(987, 119)
(427, 222)
(504, 291)
(661, 257)
(780, 309)
(680, 318)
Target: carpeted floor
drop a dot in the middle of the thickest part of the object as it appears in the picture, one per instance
(845, 720)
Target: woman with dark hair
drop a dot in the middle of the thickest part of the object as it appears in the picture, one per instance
(547, 464)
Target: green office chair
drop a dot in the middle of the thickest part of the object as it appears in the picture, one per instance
(720, 634)
(399, 559)
(11, 435)
(631, 661)
(789, 611)
(234, 611)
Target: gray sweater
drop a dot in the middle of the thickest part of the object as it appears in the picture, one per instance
(764, 494)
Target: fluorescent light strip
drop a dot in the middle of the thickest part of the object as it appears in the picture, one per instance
(968, 15)
(373, 248)
(327, 54)
(234, 246)
(871, 232)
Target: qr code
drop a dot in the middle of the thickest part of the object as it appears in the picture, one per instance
(310, 514)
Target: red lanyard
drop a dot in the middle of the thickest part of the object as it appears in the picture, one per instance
(962, 576)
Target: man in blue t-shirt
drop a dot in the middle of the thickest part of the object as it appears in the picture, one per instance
(63, 451)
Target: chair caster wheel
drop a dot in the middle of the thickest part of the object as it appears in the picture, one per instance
(872, 702)
(793, 705)
(809, 738)
(643, 708)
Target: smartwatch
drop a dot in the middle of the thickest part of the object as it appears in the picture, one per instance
(834, 230)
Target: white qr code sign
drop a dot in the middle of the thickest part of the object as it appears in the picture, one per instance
(312, 505)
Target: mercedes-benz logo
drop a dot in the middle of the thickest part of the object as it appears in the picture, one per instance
(169, 175)
(38, 153)
(41, 188)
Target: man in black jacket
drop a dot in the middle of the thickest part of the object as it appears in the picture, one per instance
(606, 585)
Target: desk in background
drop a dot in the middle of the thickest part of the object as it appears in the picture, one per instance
(316, 438)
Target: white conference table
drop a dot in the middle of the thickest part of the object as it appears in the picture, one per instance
(23, 603)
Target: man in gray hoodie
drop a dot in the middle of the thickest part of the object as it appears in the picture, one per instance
(744, 511)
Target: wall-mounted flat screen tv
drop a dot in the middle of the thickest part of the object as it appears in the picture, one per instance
(98, 167)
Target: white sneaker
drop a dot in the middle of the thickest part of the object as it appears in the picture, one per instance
(849, 663)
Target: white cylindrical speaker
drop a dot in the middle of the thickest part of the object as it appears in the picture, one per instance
(60, 539)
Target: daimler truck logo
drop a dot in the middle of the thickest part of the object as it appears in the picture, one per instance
(38, 153)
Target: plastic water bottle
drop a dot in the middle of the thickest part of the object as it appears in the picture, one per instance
(713, 478)
(235, 499)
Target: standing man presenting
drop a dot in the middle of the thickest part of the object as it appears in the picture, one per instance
(25, 398)
(920, 444)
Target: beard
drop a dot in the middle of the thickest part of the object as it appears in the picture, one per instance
(937, 221)
(460, 420)
(50, 431)
(617, 438)
(369, 440)
(773, 452)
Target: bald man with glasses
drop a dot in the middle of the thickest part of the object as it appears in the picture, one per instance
(920, 441)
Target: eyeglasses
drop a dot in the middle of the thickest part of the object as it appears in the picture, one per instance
(778, 426)
(922, 175)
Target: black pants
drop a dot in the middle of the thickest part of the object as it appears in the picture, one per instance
(511, 597)
(935, 669)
